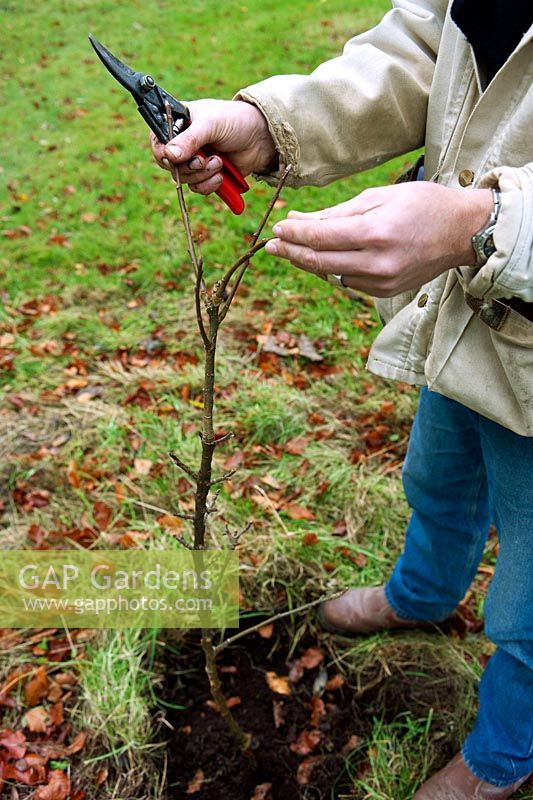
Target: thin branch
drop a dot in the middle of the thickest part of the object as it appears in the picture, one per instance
(183, 206)
(275, 618)
(199, 288)
(225, 308)
(224, 478)
(185, 544)
(179, 463)
(221, 285)
(234, 538)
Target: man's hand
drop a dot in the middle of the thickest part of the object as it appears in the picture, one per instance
(232, 127)
(387, 240)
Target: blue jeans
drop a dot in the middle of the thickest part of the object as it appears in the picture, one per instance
(461, 472)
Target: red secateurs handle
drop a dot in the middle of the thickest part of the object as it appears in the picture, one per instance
(233, 185)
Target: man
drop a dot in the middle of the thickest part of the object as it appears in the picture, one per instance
(451, 260)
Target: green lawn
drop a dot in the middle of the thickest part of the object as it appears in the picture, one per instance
(100, 362)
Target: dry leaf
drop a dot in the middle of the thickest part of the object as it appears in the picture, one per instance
(58, 787)
(318, 710)
(312, 657)
(305, 769)
(277, 712)
(306, 742)
(36, 719)
(37, 688)
(196, 784)
(334, 683)
(278, 683)
(13, 742)
(262, 792)
(352, 744)
(295, 511)
(266, 631)
(170, 521)
(142, 465)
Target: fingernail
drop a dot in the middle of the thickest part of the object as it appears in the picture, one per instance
(174, 151)
(213, 163)
(166, 162)
(217, 180)
(272, 248)
(195, 163)
(277, 229)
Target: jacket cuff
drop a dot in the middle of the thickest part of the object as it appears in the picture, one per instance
(509, 270)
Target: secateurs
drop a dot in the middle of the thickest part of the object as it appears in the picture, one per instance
(151, 100)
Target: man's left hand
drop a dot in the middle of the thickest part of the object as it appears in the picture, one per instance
(387, 240)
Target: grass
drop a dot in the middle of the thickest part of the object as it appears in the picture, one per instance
(97, 337)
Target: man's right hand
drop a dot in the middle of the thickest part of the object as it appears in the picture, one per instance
(234, 128)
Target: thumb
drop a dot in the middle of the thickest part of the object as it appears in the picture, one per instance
(184, 146)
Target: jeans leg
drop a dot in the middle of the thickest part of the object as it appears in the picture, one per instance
(445, 485)
(500, 748)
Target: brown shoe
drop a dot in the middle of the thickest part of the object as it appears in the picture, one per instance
(361, 611)
(457, 782)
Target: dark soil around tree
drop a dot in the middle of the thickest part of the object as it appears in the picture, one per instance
(309, 724)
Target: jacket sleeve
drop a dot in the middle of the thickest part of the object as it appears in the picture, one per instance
(509, 271)
(362, 108)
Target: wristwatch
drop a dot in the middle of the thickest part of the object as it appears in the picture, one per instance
(483, 241)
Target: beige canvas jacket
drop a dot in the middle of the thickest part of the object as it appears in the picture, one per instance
(413, 81)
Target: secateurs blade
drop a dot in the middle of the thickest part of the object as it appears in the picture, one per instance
(151, 100)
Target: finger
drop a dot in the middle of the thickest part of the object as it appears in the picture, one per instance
(206, 187)
(355, 205)
(200, 166)
(184, 147)
(194, 178)
(351, 233)
(319, 263)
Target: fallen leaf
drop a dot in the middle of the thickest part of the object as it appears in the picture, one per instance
(310, 539)
(352, 744)
(262, 792)
(102, 514)
(234, 461)
(307, 349)
(277, 713)
(36, 719)
(14, 742)
(296, 446)
(266, 631)
(196, 784)
(306, 742)
(142, 465)
(231, 701)
(312, 657)
(334, 683)
(170, 521)
(278, 683)
(295, 511)
(318, 710)
(303, 774)
(57, 788)
(37, 688)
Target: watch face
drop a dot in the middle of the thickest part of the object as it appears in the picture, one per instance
(488, 246)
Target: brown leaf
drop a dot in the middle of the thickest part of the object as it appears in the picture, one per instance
(303, 775)
(102, 776)
(334, 683)
(312, 657)
(57, 788)
(278, 683)
(102, 514)
(78, 743)
(14, 742)
(170, 521)
(234, 461)
(318, 710)
(295, 511)
(277, 712)
(266, 631)
(142, 465)
(196, 784)
(231, 701)
(352, 744)
(36, 719)
(262, 792)
(310, 539)
(297, 446)
(306, 742)
(307, 349)
(37, 688)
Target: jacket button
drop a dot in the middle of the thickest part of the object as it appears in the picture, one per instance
(466, 177)
(422, 300)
